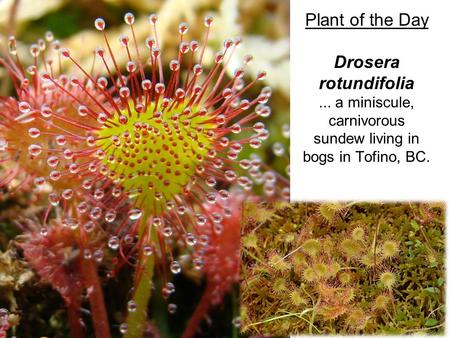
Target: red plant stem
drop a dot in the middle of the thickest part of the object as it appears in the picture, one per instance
(96, 300)
(75, 323)
(199, 314)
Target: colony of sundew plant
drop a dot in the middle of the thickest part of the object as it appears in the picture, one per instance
(335, 268)
(138, 170)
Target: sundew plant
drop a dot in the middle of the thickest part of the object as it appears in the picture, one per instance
(337, 268)
(139, 169)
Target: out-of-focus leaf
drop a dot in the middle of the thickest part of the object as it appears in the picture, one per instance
(271, 56)
(28, 9)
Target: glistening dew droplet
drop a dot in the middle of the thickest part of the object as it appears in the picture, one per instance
(131, 306)
(147, 250)
(89, 226)
(87, 254)
(175, 267)
(172, 308)
(3, 313)
(123, 328)
(114, 242)
(98, 255)
(135, 214)
(237, 321)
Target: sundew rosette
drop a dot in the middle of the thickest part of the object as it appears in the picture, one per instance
(160, 141)
(43, 130)
(162, 137)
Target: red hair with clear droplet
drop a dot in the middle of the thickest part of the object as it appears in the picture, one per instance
(218, 255)
(57, 257)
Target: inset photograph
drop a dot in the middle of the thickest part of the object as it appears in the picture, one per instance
(342, 268)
